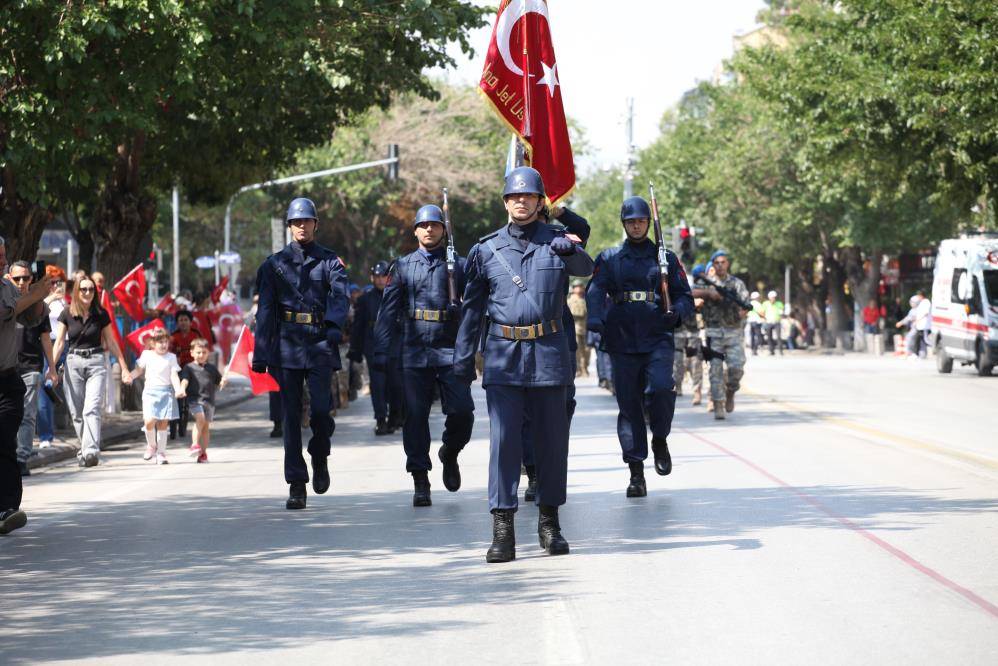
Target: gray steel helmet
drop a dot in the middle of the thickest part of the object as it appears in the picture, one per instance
(380, 269)
(523, 180)
(301, 209)
(635, 208)
(429, 213)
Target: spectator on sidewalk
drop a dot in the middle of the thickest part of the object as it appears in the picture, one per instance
(772, 313)
(84, 329)
(36, 348)
(755, 321)
(160, 392)
(200, 380)
(872, 315)
(56, 303)
(24, 309)
(918, 320)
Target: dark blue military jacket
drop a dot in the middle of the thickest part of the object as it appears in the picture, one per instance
(544, 361)
(418, 281)
(634, 327)
(364, 319)
(573, 223)
(299, 278)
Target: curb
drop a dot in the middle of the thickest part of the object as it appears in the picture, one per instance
(117, 435)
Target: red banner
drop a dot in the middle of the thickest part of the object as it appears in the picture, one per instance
(520, 80)
(242, 363)
(216, 293)
(137, 338)
(202, 322)
(131, 292)
(105, 302)
(167, 305)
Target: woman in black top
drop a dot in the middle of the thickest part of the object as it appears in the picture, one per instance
(85, 328)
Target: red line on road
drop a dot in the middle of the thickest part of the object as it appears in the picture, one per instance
(973, 598)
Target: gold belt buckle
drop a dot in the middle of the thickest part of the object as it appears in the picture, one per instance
(639, 296)
(431, 315)
(523, 333)
(303, 317)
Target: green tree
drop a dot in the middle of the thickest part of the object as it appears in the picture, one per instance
(103, 106)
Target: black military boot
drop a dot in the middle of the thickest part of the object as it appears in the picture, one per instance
(530, 494)
(549, 531)
(381, 428)
(320, 474)
(421, 494)
(637, 487)
(278, 430)
(296, 500)
(503, 548)
(663, 460)
(452, 471)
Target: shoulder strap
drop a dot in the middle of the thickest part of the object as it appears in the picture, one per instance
(517, 280)
(294, 290)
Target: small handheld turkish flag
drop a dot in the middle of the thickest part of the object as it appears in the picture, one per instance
(242, 363)
(137, 338)
(167, 305)
(131, 292)
(216, 293)
(520, 80)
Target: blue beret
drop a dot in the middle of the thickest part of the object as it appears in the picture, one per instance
(719, 253)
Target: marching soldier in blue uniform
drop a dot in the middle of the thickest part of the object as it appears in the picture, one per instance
(299, 324)
(516, 279)
(571, 222)
(417, 294)
(386, 378)
(637, 333)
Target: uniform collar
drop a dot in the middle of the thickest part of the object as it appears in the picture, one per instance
(429, 256)
(645, 247)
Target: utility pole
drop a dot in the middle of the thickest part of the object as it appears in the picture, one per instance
(175, 255)
(629, 168)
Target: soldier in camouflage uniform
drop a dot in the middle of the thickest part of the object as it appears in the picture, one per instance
(725, 324)
(688, 356)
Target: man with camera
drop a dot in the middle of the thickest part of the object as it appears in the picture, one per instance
(25, 309)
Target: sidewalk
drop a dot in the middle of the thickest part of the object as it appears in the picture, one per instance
(119, 428)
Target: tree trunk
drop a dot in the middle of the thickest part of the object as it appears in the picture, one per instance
(21, 222)
(864, 279)
(837, 322)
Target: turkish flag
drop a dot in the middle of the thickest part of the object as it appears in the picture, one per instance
(202, 322)
(137, 338)
(216, 293)
(131, 292)
(230, 321)
(167, 305)
(242, 363)
(520, 80)
(105, 302)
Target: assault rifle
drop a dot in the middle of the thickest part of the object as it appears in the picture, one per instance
(704, 280)
(663, 257)
(451, 254)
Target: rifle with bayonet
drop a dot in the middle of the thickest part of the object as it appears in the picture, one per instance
(663, 257)
(451, 257)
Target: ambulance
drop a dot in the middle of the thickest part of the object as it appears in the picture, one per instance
(965, 303)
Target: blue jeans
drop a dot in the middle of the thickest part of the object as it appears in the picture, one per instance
(46, 414)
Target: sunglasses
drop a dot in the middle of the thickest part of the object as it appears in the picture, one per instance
(21, 278)
(86, 290)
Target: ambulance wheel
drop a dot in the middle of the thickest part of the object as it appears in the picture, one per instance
(981, 361)
(944, 362)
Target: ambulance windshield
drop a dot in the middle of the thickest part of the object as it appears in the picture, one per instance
(991, 286)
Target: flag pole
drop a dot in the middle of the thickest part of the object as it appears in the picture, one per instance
(526, 70)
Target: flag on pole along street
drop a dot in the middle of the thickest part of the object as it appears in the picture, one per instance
(105, 302)
(242, 364)
(520, 81)
(216, 293)
(131, 292)
(137, 338)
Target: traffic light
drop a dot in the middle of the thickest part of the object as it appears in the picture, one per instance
(684, 241)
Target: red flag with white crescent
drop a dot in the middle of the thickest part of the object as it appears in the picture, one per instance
(216, 293)
(242, 364)
(228, 324)
(167, 305)
(520, 80)
(131, 292)
(105, 302)
(137, 338)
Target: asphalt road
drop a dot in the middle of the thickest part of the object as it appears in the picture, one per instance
(847, 512)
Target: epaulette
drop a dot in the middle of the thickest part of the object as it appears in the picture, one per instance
(488, 236)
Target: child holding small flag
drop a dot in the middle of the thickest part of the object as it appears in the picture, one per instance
(200, 380)
(162, 389)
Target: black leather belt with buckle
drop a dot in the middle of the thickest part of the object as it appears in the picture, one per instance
(302, 318)
(86, 353)
(529, 332)
(635, 297)
(429, 315)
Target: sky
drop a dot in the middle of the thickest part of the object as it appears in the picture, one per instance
(651, 50)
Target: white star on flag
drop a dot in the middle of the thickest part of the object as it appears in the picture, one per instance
(550, 78)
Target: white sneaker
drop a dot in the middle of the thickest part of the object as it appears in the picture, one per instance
(45, 444)
(149, 453)
(161, 459)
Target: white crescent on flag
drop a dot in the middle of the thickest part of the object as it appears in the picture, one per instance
(504, 27)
